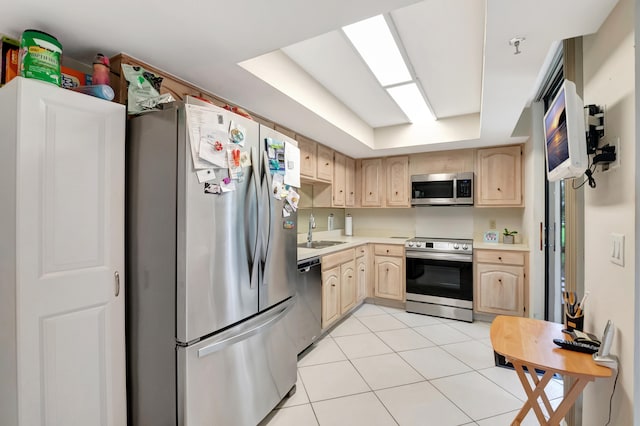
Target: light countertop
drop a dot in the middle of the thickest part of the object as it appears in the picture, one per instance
(481, 245)
(354, 241)
(349, 242)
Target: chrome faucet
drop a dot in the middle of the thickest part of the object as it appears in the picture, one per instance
(312, 224)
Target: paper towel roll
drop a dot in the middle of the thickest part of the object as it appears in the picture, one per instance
(348, 225)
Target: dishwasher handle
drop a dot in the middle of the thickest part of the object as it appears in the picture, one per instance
(306, 265)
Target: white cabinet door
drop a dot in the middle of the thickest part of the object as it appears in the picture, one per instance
(70, 251)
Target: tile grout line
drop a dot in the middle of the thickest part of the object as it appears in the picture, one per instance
(398, 353)
(364, 380)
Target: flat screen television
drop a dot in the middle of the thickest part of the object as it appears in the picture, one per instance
(565, 137)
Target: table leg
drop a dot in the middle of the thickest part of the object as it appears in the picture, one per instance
(532, 393)
(569, 400)
(543, 395)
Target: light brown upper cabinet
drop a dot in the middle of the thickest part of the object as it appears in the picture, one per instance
(397, 173)
(456, 161)
(339, 183)
(325, 163)
(499, 177)
(350, 182)
(308, 161)
(372, 182)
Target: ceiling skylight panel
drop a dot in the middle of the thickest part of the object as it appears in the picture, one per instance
(372, 38)
(410, 100)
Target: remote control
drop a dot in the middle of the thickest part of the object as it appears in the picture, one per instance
(576, 346)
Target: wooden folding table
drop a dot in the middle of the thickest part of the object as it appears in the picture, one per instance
(529, 343)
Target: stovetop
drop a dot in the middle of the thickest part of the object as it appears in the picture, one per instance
(440, 245)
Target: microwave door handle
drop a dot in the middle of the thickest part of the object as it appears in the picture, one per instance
(454, 182)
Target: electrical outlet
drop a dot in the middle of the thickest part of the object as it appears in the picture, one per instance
(492, 224)
(617, 249)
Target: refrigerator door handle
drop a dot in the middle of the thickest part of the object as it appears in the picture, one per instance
(254, 180)
(267, 175)
(275, 316)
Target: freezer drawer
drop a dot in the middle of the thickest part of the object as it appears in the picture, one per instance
(239, 376)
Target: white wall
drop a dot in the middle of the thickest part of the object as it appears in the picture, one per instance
(504, 217)
(383, 222)
(609, 80)
(438, 222)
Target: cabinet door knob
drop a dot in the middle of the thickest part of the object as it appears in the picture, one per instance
(396, 192)
(326, 164)
(333, 285)
(499, 189)
(499, 257)
(387, 251)
(371, 193)
(306, 158)
(341, 191)
(350, 276)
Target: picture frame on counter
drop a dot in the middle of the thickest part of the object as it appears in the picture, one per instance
(491, 236)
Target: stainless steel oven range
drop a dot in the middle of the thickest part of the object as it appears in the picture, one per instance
(439, 277)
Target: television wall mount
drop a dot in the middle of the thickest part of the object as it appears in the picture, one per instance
(594, 115)
(602, 155)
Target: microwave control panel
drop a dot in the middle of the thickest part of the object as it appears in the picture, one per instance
(464, 188)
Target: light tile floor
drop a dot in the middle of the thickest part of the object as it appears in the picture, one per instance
(384, 366)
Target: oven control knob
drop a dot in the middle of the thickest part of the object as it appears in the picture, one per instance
(465, 247)
(418, 245)
(410, 243)
(456, 246)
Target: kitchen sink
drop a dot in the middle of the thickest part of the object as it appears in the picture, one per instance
(320, 244)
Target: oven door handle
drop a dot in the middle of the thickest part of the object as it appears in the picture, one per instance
(439, 256)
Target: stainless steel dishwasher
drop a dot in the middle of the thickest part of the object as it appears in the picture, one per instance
(304, 320)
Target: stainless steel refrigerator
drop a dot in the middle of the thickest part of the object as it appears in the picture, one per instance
(210, 279)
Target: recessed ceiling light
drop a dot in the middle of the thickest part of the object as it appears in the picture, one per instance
(372, 38)
(410, 100)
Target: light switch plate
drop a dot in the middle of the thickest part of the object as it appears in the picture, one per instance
(617, 249)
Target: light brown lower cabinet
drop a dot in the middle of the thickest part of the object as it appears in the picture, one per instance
(330, 296)
(339, 291)
(348, 286)
(362, 271)
(500, 285)
(389, 271)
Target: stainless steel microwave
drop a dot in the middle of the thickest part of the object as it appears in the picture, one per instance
(442, 189)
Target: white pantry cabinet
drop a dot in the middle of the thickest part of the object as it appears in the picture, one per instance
(62, 257)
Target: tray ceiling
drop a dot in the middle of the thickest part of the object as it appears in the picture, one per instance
(289, 61)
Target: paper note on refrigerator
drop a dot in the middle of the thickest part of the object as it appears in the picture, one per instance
(278, 188)
(293, 198)
(205, 175)
(213, 145)
(292, 165)
(202, 122)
